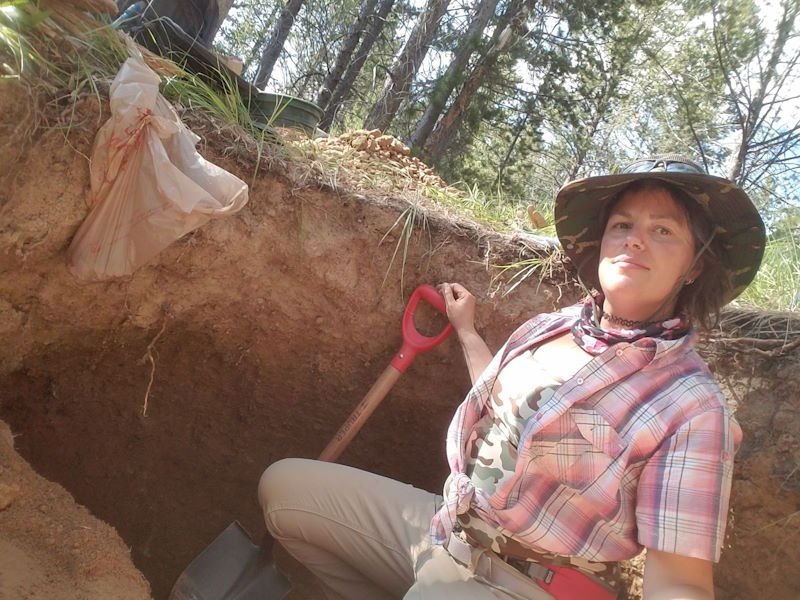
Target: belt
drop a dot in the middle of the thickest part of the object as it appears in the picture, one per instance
(490, 567)
(589, 566)
(527, 579)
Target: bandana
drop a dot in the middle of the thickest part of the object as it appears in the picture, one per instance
(595, 340)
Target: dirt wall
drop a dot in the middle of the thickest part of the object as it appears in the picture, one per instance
(761, 558)
(252, 339)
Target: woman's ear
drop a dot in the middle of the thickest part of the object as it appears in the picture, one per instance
(694, 273)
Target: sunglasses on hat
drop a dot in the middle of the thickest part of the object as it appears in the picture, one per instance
(664, 165)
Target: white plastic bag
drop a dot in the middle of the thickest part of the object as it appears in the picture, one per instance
(149, 185)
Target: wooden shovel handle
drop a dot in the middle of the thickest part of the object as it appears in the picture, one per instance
(360, 414)
(414, 343)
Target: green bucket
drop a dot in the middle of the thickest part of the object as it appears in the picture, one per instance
(280, 110)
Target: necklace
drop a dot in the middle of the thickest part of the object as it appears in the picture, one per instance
(627, 323)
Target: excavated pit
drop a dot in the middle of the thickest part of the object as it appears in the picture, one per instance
(252, 339)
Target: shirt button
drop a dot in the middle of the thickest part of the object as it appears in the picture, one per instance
(538, 416)
(620, 351)
(579, 381)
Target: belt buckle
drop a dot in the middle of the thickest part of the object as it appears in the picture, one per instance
(537, 571)
(462, 551)
(530, 568)
(468, 555)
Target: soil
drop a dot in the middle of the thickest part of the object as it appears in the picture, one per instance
(50, 547)
(251, 339)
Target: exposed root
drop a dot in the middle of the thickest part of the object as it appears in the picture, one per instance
(783, 522)
(766, 333)
(151, 355)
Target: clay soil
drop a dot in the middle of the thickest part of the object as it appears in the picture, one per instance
(251, 339)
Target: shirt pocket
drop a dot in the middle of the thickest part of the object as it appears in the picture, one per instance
(593, 447)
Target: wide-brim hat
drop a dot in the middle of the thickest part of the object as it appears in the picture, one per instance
(580, 205)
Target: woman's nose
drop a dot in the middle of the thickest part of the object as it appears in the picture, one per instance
(634, 240)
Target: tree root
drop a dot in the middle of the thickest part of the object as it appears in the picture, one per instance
(151, 356)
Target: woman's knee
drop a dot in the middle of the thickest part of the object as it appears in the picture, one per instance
(279, 479)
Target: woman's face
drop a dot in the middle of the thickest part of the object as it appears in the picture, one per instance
(647, 246)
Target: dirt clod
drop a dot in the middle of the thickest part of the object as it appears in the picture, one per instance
(8, 493)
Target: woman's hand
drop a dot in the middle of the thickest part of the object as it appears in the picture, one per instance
(460, 306)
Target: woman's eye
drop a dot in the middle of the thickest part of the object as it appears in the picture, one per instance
(620, 225)
(663, 231)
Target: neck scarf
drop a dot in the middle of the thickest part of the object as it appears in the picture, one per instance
(592, 338)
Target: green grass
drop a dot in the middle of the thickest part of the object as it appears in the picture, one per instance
(777, 285)
(539, 267)
(17, 54)
(494, 210)
(28, 46)
(194, 93)
(406, 224)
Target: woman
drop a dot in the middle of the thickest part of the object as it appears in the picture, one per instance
(595, 432)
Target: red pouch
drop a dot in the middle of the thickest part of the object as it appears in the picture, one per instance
(569, 583)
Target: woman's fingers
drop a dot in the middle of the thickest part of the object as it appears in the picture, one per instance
(460, 305)
(453, 291)
(459, 290)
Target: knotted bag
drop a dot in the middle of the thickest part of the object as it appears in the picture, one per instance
(149, 185)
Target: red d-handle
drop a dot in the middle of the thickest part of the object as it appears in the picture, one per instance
(414, 342)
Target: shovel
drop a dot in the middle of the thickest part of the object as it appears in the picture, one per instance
(232, 567)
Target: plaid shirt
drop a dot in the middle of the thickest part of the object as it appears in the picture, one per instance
(636, 449)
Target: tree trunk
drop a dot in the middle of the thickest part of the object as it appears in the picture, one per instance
(200, 19)
(501, 167)
(345, 86)
(445, 85)
(215, 16)
(346, 53)
(516, 14)
(752, 113)
(272, 50)
(186, 14)
(261, 39)
(405, 67)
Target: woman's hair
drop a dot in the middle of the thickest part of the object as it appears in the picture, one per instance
(701, 300)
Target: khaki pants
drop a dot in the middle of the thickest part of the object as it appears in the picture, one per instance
(365, 536)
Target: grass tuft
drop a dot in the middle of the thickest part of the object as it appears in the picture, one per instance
(406, 221)
(777, 285)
